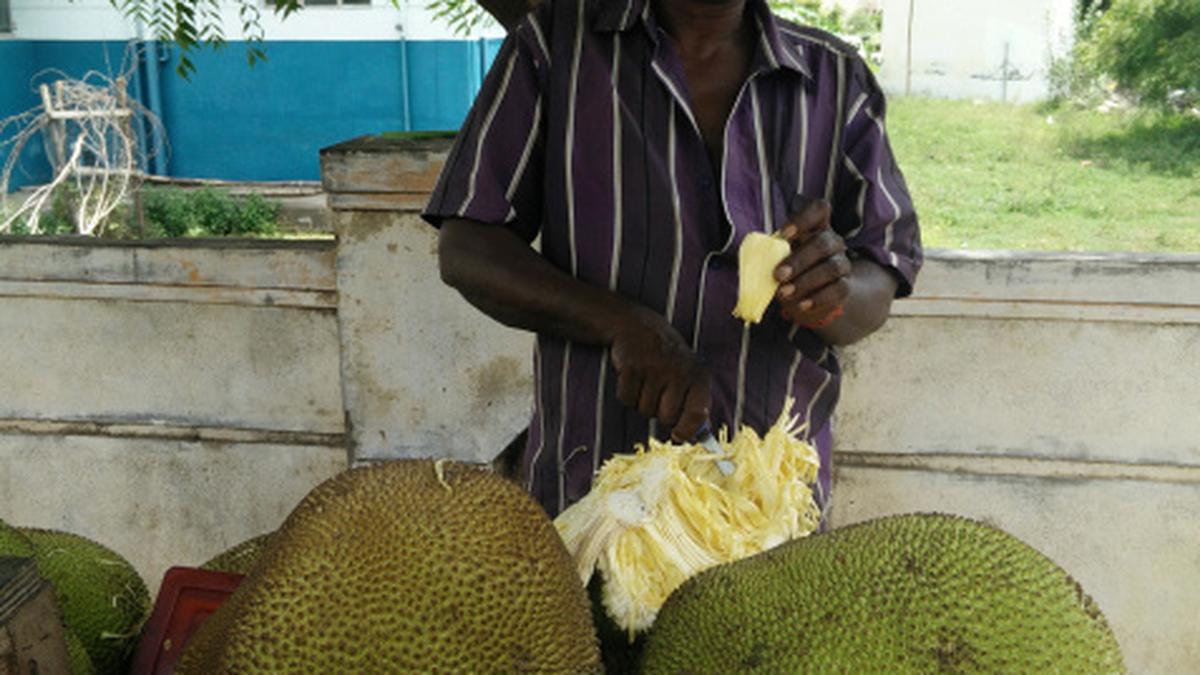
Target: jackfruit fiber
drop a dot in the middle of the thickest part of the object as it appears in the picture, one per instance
(659, 516)
(239, 559)
(904, 594)
(405, 566)
(103, 600)
(758, 257)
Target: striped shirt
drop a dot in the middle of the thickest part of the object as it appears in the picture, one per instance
(583, 134)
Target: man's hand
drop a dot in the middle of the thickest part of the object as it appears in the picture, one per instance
(814, 280)
(658, 374)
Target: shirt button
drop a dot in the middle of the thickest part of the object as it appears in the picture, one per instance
(714, 263)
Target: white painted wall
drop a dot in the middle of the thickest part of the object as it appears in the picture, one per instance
(98, 20)
(958, 46)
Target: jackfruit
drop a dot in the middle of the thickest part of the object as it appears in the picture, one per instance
(77, 656)
(102, 598)
(241, 558)
(758, 257)
(405, 566)
(657, 517)
(912, 593)
(13, 543)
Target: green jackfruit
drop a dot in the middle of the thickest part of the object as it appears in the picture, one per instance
(241, 558)
(102, 598)
(81, 663)
(13, 543)
(915, 593)
(406, 566)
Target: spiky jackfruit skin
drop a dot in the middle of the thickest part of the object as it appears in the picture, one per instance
(77, 656)
(914, 593)
(241, 558)
(102, 598)
(386, 569)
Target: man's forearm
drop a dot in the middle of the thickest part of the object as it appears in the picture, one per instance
(526, 291)
(657, 372)
(867, 307)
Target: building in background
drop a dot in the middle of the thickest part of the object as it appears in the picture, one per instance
(336, 70)
(983, 49)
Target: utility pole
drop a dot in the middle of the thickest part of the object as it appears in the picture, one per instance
(908, 67)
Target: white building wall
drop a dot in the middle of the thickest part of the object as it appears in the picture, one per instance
(98, 20)
(960, 47)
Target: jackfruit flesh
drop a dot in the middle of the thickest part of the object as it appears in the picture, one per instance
(904, 594)
(405, 566)
(103, 600)
(758, 257)
(657, 517)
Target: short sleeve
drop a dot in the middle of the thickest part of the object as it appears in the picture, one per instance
(872, 206)
(493, 173)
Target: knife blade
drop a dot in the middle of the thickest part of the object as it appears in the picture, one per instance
(705, 439)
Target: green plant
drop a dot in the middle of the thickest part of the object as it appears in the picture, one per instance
(1149, 47)
(860, 28)
(166, 210)
(174, 212)
(59, 218)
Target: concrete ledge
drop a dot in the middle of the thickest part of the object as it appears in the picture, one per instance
(162, 430)
(192, 294)
(295, 265)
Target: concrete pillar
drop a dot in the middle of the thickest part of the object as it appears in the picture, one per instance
(423, 372)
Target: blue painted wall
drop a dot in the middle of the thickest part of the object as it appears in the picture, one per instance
(268, 122)
(16, 95)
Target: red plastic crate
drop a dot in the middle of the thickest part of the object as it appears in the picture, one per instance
(187, 597)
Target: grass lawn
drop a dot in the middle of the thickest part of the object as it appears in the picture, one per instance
(1025, 177)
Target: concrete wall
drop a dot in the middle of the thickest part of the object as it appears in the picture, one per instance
(959, 47)
(167, 400)
(230, 121)
(332, 73)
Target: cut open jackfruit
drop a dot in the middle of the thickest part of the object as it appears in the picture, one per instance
(655, 518)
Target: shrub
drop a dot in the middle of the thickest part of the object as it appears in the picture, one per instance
(860, 28)
(173, 212)
(1148, 47)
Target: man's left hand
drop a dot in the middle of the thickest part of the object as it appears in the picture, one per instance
(814, 280)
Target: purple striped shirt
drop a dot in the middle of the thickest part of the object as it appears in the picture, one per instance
(583, 134)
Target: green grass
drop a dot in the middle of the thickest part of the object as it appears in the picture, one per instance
(1002, 176)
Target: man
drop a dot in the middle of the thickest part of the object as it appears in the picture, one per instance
(642, 139)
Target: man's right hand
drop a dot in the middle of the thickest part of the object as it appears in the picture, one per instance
(658, 373)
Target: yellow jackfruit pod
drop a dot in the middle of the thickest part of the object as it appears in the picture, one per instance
(758, 257)
(656, 518)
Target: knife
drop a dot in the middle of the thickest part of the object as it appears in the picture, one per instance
(705, 439)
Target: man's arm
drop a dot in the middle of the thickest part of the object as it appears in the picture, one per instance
(499, 273)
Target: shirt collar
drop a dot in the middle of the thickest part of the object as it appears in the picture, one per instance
(622, 15)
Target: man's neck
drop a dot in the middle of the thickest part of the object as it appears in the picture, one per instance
(699, 26)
